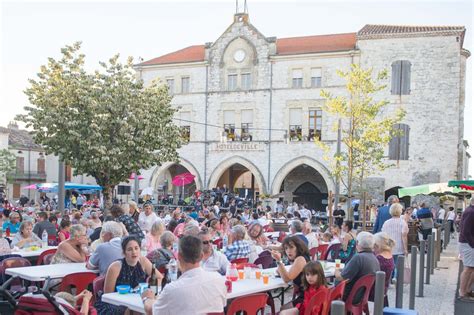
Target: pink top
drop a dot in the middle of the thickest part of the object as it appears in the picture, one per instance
(151, 244)
(65, 233)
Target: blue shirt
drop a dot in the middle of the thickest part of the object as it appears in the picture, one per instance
(14, 228)
(382, 216)
(238, 249)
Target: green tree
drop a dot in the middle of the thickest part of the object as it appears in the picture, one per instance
(105, 124)
(367, 127)
(7, 164)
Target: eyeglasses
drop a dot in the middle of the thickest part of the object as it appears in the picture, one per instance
(207, 242)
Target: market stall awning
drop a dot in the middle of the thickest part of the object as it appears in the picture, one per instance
(430, 189)
(53, 187)
(463, 184)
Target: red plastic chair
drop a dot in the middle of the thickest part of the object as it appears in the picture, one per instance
(40, 260)
(79, 280)
(318, 304)
(335, 293)
(265, 261)
(268, 228)
(249, 304)
(98, 287)
(13, 262)
(313, 252)
(321, 249)
(364, 283)
(335, 248)
(47, 259)
(218, 243)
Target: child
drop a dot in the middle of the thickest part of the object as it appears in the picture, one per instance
(72, 300)
(327, 237)
(314, 281)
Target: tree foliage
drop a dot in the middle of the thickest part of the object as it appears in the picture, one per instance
(367, 127)
(7, 163)
(105, 124)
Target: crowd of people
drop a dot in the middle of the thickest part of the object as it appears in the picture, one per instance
(127, 245)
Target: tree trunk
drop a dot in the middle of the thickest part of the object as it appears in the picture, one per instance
(107, 192)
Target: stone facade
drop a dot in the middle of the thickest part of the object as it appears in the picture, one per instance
(434, 107)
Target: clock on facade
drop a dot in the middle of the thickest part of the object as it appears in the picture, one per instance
(239, 55)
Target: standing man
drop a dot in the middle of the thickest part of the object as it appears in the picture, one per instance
(384, 214)
(339, 216)
(441, 214)
(466, 249)
(147, 217)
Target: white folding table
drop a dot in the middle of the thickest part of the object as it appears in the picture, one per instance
(25, 253)
(244, 287)
(42, 272)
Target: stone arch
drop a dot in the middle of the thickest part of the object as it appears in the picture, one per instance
(292, 164)
(224, 165)
(188, 165)
(230, 42)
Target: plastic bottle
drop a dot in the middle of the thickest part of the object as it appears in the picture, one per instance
(175, 247)
(173, 269)
(225, 242)
(44, 239)
(232, 273)
(143, 248)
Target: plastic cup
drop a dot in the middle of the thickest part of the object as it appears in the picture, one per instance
(241, 274)
(258, 274)
(265, 278)
(248, 272)
(338, 263)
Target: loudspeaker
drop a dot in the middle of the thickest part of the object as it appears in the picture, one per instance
(123, 190)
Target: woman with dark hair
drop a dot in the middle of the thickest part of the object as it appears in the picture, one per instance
(131, 226)
(298, 255)
(130, 270)
(348, 243)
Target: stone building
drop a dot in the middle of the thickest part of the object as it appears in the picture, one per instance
(251, 107)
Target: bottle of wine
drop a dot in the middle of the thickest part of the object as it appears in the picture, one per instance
(153, 280)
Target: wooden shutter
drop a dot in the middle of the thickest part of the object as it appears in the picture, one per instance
(16, 191)
(41, 166)
(20, 164)
(394, 145)
(405, 79)
(404, 141)
(396, 77)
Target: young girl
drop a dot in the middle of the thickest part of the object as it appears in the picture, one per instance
(314, 282)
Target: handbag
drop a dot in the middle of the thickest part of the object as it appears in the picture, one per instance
(406, 273)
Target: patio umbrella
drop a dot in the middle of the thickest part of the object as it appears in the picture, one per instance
(147, 191)
(182, 180)
(132, 176)
(464, 184)
(31, 187)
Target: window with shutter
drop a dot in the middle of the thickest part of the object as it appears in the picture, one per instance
(41, 166)
(186, 125)
(398, 147)
(246, 124)
(185, 84)
(401, 77)
(170, 83)
(232, 82)
(229, 124)
(296, 130)
(297, 80)
(316, 77)
(20, 164)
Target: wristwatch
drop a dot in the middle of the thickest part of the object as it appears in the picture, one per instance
(280, 262)
(144, 299)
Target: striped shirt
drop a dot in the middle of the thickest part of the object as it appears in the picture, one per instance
(395, 228)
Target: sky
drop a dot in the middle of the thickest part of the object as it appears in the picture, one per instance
(31, 31)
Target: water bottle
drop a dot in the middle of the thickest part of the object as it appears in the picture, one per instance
(44, 239)
(225, 242)
(175, 247)
(143, 248)
(173, 269)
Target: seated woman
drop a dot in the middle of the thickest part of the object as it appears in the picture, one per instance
(298, 255)
(349, 242)
(64, 228)
(161, 256)
(336, 234)
(152, 239)
(255, 231)
(383, 251)
(26, 238)
(73, 249)
(130, 270)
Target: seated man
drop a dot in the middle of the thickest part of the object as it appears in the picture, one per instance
(239, 248)
(296, 228)
(362, 263)
(196, 292)
(110, 250)
(212, 260)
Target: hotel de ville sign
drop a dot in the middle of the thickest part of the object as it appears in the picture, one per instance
(238, 146)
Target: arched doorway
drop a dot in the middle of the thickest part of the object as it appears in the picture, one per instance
(162, 178)
(394, 191)
(239, 180)
(309, 194)
(304, 184)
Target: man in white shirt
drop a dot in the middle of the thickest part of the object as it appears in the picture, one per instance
(147, 217)
(196, 292)
(441, 214)
(305, 212)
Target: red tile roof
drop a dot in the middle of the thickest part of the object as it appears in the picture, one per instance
(316, 44)
(371, 29)
(285, 46)
(188, 54)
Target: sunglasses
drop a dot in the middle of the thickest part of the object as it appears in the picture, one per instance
(207, 242)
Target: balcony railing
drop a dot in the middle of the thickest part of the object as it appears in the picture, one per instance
(19, 175)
